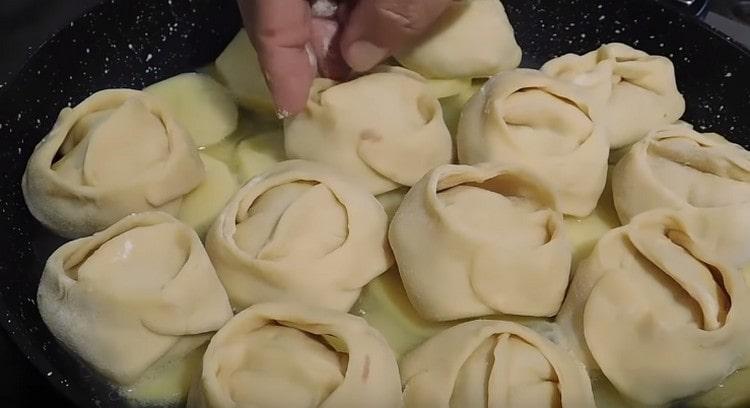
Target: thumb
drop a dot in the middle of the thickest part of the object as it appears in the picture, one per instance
(377, 28)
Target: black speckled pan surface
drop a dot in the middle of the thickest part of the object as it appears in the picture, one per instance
(137, 42)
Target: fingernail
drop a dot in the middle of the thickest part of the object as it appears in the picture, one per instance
(311, 57)
(363, 55)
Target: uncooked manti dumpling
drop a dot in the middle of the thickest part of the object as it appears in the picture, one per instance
(634, 91)
(292, 355)
(477, 240)
(384, 129)
(677, 167)
(657, 311)
(299, 232)
(114, 154)
(472, 39)
(524, 116)
(139, 293)
(489, 363)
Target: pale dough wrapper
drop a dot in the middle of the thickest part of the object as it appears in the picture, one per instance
(660, 314)
(141, 292)
(299, 232)
(472, 39)
(478, 240)
(384, 129)
(114, 154)
(294, 355)
(491, 363)
(634, 91)
(677, 167)
(526, 117)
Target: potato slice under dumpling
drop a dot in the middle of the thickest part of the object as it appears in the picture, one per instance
(201, 105)
(238, 68)
(258, 153)
(203, 205)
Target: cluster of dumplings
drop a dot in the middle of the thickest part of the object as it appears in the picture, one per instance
(267, 274)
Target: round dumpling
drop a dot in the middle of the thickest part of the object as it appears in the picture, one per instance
(299, 232)
(677, 167)
(114, 154)
(489, 363)
(472, 39)
(141, 292)
(524, 116)
(477, 240)
(384, 129)
(292, 355)
(657, 311)
(634, 91)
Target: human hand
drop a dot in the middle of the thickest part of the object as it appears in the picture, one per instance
(298, 39)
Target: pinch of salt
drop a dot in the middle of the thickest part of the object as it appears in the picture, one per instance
(324, 8)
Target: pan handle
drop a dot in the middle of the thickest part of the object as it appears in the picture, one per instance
(697, 8)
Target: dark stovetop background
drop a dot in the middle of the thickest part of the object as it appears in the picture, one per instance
(26, 24)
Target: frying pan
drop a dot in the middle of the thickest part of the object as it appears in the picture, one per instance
(133, 43)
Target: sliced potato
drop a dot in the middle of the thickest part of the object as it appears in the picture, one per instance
(584, 233)
(392, 200)
(444, 88)
(200, 104)
(259, 152)
(203, 205)
(386, 307)
(453, 105)
(238, 68)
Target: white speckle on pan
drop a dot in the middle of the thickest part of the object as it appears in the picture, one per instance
(728, 75)
(149, 57)
(49, 374)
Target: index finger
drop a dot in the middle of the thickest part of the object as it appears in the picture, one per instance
(281, 32)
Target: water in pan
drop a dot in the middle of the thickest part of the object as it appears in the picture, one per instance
(135, 43)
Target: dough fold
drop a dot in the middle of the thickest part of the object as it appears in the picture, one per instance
(294, 355)
(114, 154)
(634, 91)
(472, 39)
(524, 116)
(140, 292)
(490, 363)
(299, 232)
(477, 240)
(657, 311)
(677, 167)
(384, 129)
